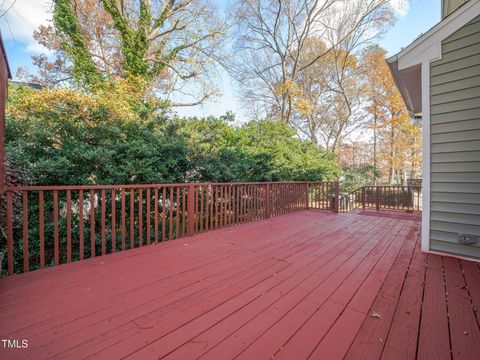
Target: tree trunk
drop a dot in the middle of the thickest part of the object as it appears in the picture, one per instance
(392, 153)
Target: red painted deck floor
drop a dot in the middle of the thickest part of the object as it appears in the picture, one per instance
(309, 285)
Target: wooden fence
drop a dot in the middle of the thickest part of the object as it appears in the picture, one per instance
(52, 225)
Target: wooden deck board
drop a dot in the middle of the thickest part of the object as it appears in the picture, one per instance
(464, 331)
(434, 334)
(369, 341)
(296, 286)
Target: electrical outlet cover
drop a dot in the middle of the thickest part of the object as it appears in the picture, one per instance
(467, 239)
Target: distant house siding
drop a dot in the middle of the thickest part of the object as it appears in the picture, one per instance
(455, 142)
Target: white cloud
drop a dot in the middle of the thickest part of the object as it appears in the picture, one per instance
(37, 48)
(401, 6)
(22, 19)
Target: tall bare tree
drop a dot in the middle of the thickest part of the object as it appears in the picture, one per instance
(272, 36)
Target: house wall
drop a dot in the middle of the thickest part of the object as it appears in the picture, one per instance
(455, 142)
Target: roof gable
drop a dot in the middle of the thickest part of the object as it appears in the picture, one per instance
(427, 47)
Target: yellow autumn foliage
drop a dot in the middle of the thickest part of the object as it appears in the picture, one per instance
(289, 88)
(118, 99)
(303, 106)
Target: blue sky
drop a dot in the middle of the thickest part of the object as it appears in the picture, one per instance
(26, 15)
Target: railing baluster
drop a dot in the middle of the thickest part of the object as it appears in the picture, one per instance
(132, 218)
(250, 203)
(9, 233)
(41, 224)
(140, 217)
(92, 223)
(337, 196)
(155, 210)
(184, 224)
(69, 226)
(281, 200)
(25, 232)
(170, 222)
(164, 213)
(177, 222)
(297, 196)
(191, 209)
(230, 205)
(124, 225)
(148, 217)
(266, 203)
(56, 241)
(258, 197)
(201, 217)
(247, 204)
(225, 205)
(288, 194)
(103, 221)
(216, 207)
(241, 204)
(114, 225)
(206, 190)
(210, 197)
(254, 203)
(196, 218)
(222, 206)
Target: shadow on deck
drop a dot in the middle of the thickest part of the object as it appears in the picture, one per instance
(304, 285)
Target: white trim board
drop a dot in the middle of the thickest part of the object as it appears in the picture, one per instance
(428, 47)
(424, 50)
(425, 241)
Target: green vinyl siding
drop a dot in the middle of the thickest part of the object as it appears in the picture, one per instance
(455, 142)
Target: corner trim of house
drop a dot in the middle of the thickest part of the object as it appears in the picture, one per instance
(425, 241)
(428, 46)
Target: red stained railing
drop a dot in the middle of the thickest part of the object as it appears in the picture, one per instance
(323, 195)
(70, 223)
(403, 198)
(352, 200)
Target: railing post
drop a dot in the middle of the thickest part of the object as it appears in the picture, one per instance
(307, 202)
(267, 201)
(377, 197)
(363, 197)
(191, 209)
(9, 233)
(337, 196)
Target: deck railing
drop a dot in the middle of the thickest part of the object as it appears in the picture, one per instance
(52, 225)
(351, 201)
(322, 195)
(404, 198)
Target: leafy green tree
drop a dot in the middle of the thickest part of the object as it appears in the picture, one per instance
(355, 177)
(66, 137)
(62, 138)
(264, 150)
